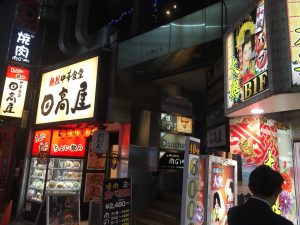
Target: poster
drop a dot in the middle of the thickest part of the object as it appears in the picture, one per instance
(222, 192)
(93, 187)
(246, 58)
(95, 161)
(63, 209)
(293, 8)
(116, 202)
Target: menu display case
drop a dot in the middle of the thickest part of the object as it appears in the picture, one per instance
(64, 175)
(36, 183)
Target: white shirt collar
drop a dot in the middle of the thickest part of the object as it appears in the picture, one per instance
(258, 198)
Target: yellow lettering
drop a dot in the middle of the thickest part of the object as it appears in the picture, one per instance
(247, 90)
(262, 81)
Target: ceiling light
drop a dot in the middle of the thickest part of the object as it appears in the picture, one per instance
(168, 12)
(174, 6)
(257, 111)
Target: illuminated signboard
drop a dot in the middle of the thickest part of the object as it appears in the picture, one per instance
(14, 91)
(41, 145)
(172, 141)
(175, 123)
(21, 46)
(68, 93)
(246, 58)
(293, 9)
(222, 191)
(69, 145)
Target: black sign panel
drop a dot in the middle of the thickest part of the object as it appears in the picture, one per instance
(170, 160)
(168, 122)
(116, 201)
(63, 209)
(21, 46)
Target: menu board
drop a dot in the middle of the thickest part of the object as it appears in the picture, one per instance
(93, 187)
(116, 202)
(221, 192)
(63, 209)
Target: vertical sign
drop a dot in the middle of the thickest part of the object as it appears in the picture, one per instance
(93, 187)
(14, 91)
(116, 202)
(100, 141)
(293, 9)
(246, 58)
(41, 145)
(191, 211)
(222, 192)
(21, 45)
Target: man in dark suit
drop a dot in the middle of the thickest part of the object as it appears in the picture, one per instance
(265, 185)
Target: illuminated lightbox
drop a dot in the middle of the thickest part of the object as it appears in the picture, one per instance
(14, 92)
(68, 93)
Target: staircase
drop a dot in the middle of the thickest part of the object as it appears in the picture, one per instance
(165, 209)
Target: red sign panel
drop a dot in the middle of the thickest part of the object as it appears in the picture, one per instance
(17, 73)
(67, 145)
(41, 141)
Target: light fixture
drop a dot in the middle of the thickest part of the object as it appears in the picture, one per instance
(87, 132)
(77, 132)
(257, 111)
(168, 12)
(174, 6)
(70, 133)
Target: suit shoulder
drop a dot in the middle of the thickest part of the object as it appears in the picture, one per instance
(282, 220)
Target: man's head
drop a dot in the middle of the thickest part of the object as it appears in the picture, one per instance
(265, 182)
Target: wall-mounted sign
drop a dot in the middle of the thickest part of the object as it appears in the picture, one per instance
(192, 210)
(100, 141)
(21, 46)
(177, 105)
(14, 91)
(293, 8)
(27, 15)
(171, 160)
(222, 192)
(168, 122)
(93, 187)
(184, 124)
(172, 141)
(216, 137)
(41, 145)
(116, 202)
(71, 146)
(68, 93)
(246, 58)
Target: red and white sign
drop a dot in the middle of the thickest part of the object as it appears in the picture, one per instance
(41, 140)
(73, 146)
(14, 91)
(68, 93)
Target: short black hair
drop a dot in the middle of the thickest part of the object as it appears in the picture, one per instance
(265, 181)
(248, 38)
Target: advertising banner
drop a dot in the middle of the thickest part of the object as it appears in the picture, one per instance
(93, 187)
(293, 8)
(63, 209)
(14, 92)
(116, 202)
(70, 146)
(222, 192)
(191, 210)
(246, 58)
(68, 93)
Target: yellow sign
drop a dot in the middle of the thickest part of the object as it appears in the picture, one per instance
(68, 93)
(184, 124)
